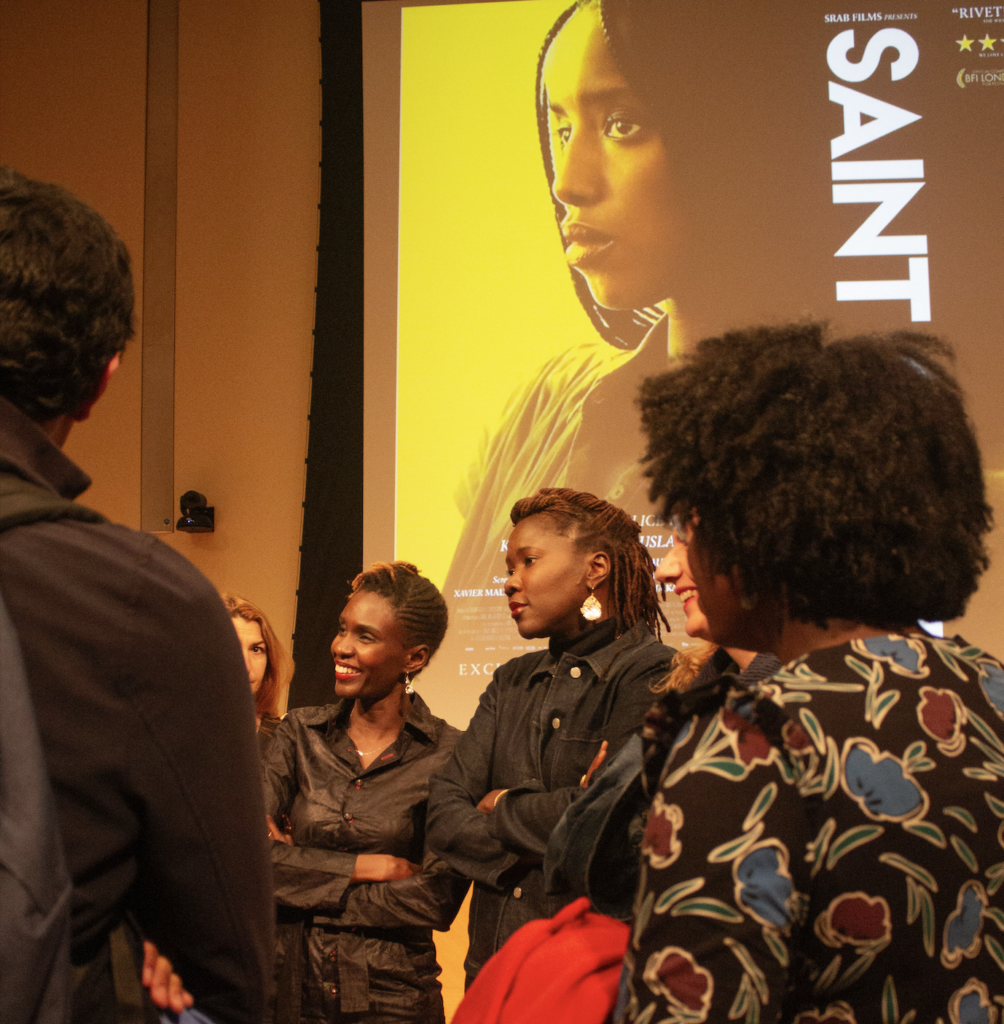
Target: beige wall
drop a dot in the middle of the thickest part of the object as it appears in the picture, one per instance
(72, 110)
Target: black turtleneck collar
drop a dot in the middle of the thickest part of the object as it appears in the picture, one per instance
(590, 640)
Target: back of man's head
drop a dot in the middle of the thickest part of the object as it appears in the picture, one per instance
(66, 297)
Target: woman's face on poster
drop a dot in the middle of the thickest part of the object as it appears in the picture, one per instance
(611, 171)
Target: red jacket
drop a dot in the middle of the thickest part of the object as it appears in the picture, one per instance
(559, 970)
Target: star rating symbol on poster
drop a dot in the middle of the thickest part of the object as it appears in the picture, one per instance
(965, 43)
(988, 43)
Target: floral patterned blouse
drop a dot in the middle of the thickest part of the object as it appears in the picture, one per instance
(829, 846)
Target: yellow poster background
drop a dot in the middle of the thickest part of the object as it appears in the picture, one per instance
(484, 286)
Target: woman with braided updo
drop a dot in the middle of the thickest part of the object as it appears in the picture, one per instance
(580, 577)
(346, 788)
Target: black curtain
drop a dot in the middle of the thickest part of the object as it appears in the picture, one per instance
(331, 548)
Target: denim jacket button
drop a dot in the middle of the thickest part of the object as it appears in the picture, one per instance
(575, 671)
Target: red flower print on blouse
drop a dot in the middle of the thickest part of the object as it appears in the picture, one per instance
(661, 844)
(674, 974)
(855, 919)
(750, 743)
(942, 714)
(797, 738)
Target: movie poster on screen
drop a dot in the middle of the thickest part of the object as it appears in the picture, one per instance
(578, 205)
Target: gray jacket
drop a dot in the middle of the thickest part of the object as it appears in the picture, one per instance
(536, 730)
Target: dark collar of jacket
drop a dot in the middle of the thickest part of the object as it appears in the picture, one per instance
(334, 718)
(720, 663)
(601, 661)
(25, 449)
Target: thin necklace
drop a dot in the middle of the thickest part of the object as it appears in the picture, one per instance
(363, 753)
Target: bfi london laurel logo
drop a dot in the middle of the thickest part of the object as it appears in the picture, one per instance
(982, 76)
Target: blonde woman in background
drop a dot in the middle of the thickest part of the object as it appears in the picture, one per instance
(269, 666)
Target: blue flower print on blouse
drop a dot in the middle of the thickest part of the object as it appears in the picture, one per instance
(879, 783)
(971, 1011)
(763, 885)
(992, 681)
(895, 649)
(963, 927)
(972, 1004)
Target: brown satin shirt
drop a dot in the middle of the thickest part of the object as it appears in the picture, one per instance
(368, 946)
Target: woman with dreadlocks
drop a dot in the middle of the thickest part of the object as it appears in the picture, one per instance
(357, 892)
(580, 578)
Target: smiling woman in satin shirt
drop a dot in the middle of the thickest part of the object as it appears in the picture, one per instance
(357, 892)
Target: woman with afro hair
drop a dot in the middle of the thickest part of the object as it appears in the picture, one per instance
(825, 844)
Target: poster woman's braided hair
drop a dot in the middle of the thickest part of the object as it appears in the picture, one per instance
(843, 477)
(418, 604)
(600, 526)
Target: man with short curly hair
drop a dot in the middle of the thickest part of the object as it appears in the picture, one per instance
(135, 674)
(66, 302)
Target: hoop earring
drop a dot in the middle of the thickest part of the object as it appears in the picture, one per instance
(408, 688)
(591, 608)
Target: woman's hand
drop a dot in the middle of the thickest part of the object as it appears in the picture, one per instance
(489, 800)
(597, 761)
(381, 867)
(166, 989)
(275, 833)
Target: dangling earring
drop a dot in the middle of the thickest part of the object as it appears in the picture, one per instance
(591, 608)
(408, 688)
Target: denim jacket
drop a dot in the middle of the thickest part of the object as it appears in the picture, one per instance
(536, 730)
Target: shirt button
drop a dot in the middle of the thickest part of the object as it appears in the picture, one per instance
(334, 991)
(347, 816)
(556, 723)
(517, 892)
(575, 671)
(334, 956)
